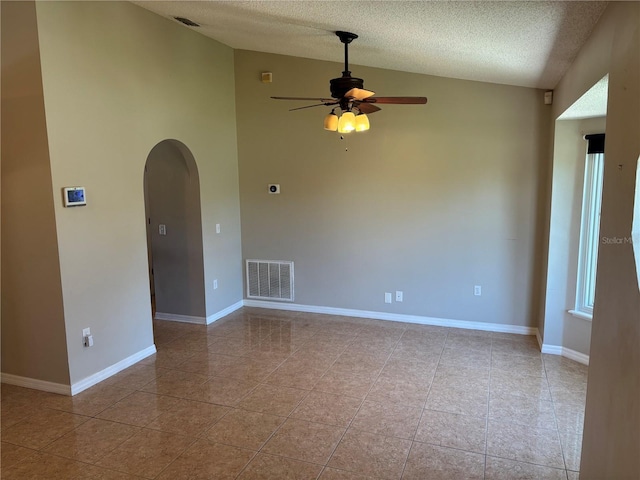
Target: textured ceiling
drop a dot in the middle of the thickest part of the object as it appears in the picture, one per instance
(523, 43)
(592, 104)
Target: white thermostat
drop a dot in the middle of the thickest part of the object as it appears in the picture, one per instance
(74, 196)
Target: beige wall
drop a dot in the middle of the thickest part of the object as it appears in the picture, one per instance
(611, 434)
(117, 81)
(33, 328)
(432, 200)
(561, 328)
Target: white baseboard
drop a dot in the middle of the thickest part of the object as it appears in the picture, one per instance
(91, 380)
(577, 356)
(225, 312)
(551, 349)
(35, 384)
(174, 317)
(565, 352)
(395, 317)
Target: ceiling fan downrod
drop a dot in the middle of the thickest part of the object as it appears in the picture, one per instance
(346, 38)
(341, 85)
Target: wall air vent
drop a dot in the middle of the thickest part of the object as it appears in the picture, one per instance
(187, 22)
(270, 280)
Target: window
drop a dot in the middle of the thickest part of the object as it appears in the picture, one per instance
(590, 227)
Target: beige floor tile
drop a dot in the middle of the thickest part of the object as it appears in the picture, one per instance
(573, 475)
(430, 461)
(306, 441)
(135, 377)
(381, 346)
(465, 375)
(90, 402)
(452, 430)
(269, 467)
(208, 460)
(245, 429)
(43, 466)
(409, 369)
(464, 332)
(389, 419)
(208, 364)
(561, 369)
(175, 383)
(399, 391)
(296, 376)
(11, 454)
(468, 343)
(92, 440)
(572, 450)
(139, 408)
(526, 346)
(13, 412)
(192, 389)
(335, 474)
(273, 399)
(42, 428)
(501, 469)
(327, 408)
(92, 472)
(350, 385)
(523, 410)
(522, 385)
(569, 417)
(464, 400)
(167, 358)
(370, 454)
(569, 393)
(222, 391)
(249, 369)
(188, 418)
(524, 444)
(457, 356)
(427, 351)
(517, 365)
(146, 454)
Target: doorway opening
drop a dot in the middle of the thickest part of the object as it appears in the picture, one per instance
(174, 233)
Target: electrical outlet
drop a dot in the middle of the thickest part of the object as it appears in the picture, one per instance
(215, 284)
(398, 296)
(477, 290)
(162, 229)
(387, 297)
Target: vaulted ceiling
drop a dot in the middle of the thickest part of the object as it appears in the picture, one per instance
(524, 43)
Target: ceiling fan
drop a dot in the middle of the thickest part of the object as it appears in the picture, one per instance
(348, 94)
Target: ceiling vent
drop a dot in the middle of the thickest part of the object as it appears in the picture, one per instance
(187, 22)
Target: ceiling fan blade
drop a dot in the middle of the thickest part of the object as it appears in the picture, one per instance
(315, 105)
(359, 93)
(325, 100)
(367, 108)
(398, 100)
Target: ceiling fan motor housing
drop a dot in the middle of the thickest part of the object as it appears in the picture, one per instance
(340, 86)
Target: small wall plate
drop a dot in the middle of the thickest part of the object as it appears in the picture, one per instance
(74, 196)
(274, 188)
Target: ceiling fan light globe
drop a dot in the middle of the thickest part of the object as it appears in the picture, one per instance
(331, 122)
(347, 122)
(362, 123)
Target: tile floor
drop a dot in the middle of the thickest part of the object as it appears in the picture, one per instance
(265, 394)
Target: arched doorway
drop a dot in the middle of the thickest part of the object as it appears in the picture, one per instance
(174, 233)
